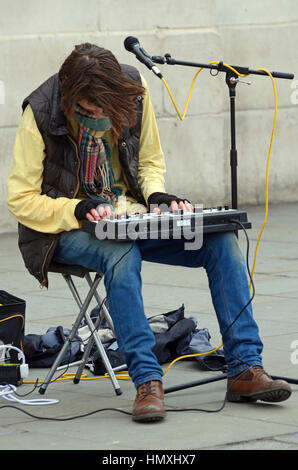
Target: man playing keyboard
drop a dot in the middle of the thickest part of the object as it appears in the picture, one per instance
(87, 144)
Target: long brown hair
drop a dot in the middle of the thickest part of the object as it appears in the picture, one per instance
(93, 73)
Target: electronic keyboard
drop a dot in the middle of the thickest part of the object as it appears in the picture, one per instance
(173, 224)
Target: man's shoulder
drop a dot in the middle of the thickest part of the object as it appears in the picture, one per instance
(42, 95)
(131, 71)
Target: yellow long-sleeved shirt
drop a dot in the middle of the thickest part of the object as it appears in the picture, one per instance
(44, 214)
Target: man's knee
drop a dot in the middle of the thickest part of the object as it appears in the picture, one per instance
(224, 245)
(124, 258)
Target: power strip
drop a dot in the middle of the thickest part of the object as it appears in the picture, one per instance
(12, 373)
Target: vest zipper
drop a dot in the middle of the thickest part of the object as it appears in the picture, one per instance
(45, 280)
(79, 165)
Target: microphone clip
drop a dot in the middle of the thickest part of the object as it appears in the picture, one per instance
(158, 59)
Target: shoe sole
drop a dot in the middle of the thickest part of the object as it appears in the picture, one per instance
(149, 417)
(272, 395)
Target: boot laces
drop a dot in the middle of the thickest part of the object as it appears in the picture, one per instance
(148, 388)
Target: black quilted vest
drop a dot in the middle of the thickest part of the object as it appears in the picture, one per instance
(61, 177)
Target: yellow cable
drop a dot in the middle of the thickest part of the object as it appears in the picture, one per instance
(121, 375)
(267, 171)
(188, 98)
(192, 85)
(191, 355)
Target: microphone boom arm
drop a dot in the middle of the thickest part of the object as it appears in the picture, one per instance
(219, 67)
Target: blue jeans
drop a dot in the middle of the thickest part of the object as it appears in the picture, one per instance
(224, 263)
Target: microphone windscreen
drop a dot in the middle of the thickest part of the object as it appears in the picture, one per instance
(129, 42)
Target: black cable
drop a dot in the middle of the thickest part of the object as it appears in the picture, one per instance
(249, 274)
(251, 298)
(31, 391)
(90, 413)
(220, 408)
(65, 419)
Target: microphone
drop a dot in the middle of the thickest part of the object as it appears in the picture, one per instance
(132, 44)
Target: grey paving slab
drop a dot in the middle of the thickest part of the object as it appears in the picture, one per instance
(260, 444)
(175, 276)
(269, 327)
(116, 432)
(290, 438)
(276, 308)
(279, 288)
(170, 298)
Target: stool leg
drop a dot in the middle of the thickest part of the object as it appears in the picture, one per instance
(87, 350)
(86, 356)
(101, 304)
(103, 354)
(99, 344)
(61, 354)
(73, 289)
(72, 334)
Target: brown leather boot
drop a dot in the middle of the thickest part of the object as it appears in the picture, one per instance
(149, 402)
(255, 384)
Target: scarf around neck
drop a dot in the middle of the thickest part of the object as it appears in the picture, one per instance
(97, 176)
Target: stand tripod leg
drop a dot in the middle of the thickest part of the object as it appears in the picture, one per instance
(195, 383)
(216, 379)
(287, 379)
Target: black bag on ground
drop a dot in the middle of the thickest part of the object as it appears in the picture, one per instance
(42, 350)
(12, 323)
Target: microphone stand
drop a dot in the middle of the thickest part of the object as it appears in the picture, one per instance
(231, 80)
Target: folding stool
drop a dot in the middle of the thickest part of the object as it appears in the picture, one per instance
(67, 272)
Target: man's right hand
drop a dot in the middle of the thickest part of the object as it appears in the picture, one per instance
(102, 211)
(91, 210)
